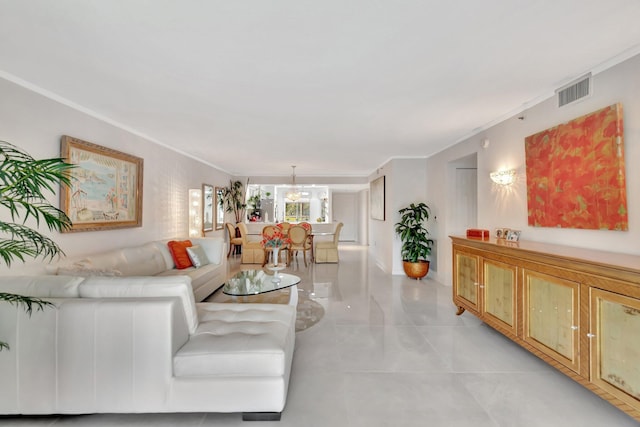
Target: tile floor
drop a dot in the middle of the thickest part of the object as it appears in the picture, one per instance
(391, 352)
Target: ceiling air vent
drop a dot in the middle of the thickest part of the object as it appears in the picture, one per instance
(574, 91)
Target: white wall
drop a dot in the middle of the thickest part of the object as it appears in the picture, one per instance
(363, 210)
(404, 184)
(507, 207)
(36, 123)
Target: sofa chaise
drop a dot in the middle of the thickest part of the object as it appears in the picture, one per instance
(141, 344)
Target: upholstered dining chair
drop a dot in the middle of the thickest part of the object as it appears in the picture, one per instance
(307, 226)
(299, 241)
(284, 226)
(233, 240)
(326, 252)
(269, 230)
(252, 252)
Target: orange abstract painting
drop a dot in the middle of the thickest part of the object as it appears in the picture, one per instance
(576, 174)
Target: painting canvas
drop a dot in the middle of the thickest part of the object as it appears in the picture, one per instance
(377, 198)
(576, 173)
(106, 187)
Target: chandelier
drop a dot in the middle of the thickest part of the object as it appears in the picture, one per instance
(293, 194)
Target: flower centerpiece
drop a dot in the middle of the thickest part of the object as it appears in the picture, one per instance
(275, 240)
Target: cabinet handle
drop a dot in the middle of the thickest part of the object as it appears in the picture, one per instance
(481, 286)
(591, 335)
(575, 328)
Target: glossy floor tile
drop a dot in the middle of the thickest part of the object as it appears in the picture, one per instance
(391, 351)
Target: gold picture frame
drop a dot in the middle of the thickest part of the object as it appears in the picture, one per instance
(207, 208)
(106, 187)
(219, 209)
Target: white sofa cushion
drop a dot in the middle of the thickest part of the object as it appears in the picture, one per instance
(143, 260)
(197, 256)
(212, 248)
(238, 340)
(127, 287)
(42, 286)
(166, 253)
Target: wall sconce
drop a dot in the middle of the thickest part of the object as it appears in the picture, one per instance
(504, 177)
(195, 212)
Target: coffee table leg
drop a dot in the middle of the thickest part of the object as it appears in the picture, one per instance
(293, 296)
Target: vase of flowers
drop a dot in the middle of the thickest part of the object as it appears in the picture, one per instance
(275, 240)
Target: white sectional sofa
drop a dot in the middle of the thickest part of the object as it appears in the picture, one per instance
(153, 259)
(141, 344)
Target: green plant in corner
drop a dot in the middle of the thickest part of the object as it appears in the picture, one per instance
(23, 184)
(416, 244)
(233, 199)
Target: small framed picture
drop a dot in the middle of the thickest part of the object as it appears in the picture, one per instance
(513, 235)
(502, 233)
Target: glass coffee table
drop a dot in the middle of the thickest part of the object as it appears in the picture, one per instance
(254, 282)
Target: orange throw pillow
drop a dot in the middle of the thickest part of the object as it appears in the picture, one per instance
(179, 253)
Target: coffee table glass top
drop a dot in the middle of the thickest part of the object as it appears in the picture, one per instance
(254, 282)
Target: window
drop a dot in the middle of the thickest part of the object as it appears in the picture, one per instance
(296, 211)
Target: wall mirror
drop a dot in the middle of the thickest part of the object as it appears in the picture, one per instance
(207, 207)
(219, 209)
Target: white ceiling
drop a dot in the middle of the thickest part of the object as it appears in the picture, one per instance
(336, 87)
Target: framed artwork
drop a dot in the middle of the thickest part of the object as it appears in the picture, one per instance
(207, 208)
(376, 190)
(219, 209)
(106, 187)
(576, 173)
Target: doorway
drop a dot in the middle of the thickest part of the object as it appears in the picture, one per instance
(345, 210)
(464, 203)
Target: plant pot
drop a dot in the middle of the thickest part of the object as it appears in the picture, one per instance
(416, 270)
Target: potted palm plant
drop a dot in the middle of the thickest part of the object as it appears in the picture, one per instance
(416, 245)
(233, 199)
(23, 184)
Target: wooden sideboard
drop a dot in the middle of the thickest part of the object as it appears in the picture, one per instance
(577, 309)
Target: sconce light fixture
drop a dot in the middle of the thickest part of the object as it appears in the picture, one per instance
(195, 212)
(503, 177)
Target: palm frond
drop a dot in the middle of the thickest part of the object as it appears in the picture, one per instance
(23, 184)
(29, 304)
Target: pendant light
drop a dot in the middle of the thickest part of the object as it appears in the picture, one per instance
(293, 194)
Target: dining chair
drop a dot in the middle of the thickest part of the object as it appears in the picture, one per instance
(299, 242)
(252, 252)
(233, 240)
(307, 226)
(326, 252)
(284, 226)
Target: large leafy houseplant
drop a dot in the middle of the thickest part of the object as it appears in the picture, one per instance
(233, 199)
(23, 184)
(416, 244)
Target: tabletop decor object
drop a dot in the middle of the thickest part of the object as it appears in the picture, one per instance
(275, 241)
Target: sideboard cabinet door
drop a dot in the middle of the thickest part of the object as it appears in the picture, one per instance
(466, 281)
(499, 287)
(615, 345)
(552, 317)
